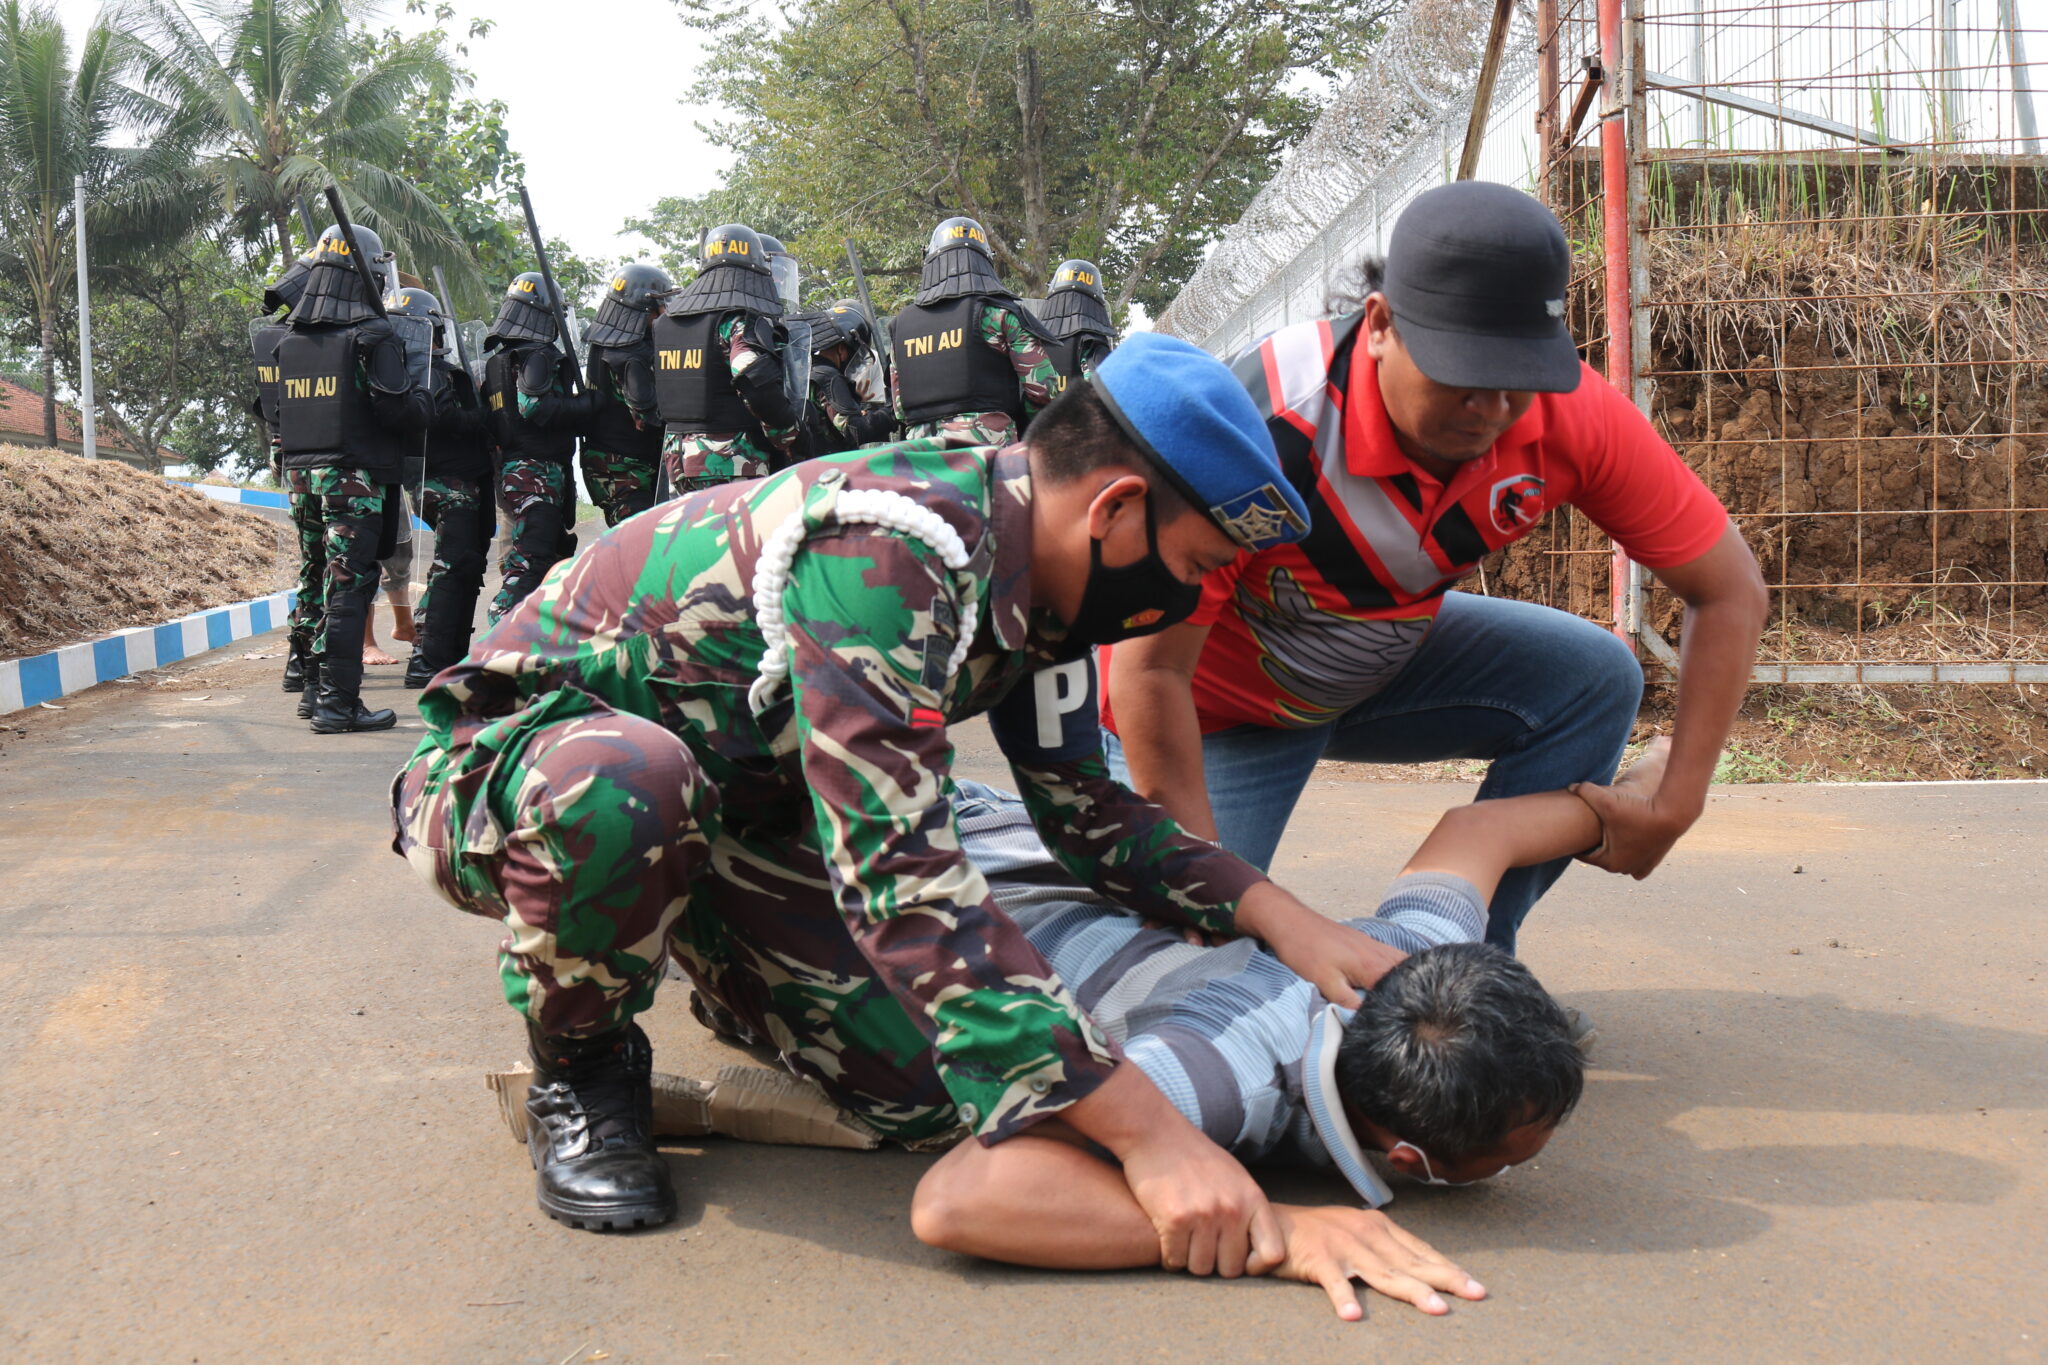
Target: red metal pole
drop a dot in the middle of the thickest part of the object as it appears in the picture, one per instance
(1614, 210)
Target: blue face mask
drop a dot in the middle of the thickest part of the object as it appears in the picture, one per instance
(1429, 1175)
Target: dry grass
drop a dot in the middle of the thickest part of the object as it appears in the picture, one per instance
(92, 546)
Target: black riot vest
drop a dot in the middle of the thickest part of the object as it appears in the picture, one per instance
(459, 439)
(1072, 354)
(693, 379)
(943, 368)
(612, 428)
(323, 409)
(517, 437)
(263, 347)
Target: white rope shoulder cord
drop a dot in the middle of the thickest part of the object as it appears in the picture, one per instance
(872, 506)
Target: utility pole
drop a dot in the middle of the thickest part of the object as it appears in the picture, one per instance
(85, 415)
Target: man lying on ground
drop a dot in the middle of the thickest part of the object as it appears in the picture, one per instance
(1456, 1065)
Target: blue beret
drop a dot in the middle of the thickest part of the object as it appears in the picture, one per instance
(1183, 408)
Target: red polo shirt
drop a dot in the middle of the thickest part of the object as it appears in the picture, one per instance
(1300, 633)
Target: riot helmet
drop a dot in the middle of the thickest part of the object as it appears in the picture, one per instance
(525, 314)
(958, 261)
(622, 315)
(1075, 302)
(1085, 276)
(332, 248)
(734, 244)
(412, 302)
(961, 232)
(335, 294)
(852, 323)
(735, 276)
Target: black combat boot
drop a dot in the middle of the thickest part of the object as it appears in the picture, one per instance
(590, 1131)
(294, 664)
(340, 710)
(310, 689)
(418, 672)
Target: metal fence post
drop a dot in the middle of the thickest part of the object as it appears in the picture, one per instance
(86, 424)
(1616, 238)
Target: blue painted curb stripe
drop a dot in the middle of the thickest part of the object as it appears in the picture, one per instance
(44, 677)
(256, 497)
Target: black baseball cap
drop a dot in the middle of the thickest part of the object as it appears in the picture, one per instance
(1476, 276)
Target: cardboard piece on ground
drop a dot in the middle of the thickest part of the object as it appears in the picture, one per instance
(744, 1102)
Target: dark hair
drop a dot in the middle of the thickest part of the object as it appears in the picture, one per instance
(1076, 435)
(1351, 289)
(1457, 1046)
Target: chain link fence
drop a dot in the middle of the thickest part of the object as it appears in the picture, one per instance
(1825, 253)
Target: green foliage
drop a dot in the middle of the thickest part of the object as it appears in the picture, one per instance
(61, 119)
(1123, 132)
(290, 96)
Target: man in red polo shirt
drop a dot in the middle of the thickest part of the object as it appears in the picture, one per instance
(1434, 425)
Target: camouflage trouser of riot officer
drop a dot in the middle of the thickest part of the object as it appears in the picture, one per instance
(305, 514)
(539, 498)
(352, 514)
(621, 485)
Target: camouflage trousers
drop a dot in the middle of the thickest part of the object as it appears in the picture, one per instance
(540, 498)
(600, 843)
(623, 485)
(697, 462)
(305, 515)
(351, 513)
(461, 521)
(977, 428)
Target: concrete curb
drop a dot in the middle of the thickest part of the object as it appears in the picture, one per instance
(26, 682)
(256, 497)
(251, 497)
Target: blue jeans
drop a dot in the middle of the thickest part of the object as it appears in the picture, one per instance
(1549, 698)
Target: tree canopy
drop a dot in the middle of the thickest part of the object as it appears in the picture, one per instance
(1125, 131)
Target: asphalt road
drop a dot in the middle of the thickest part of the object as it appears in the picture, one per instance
(245, 1117)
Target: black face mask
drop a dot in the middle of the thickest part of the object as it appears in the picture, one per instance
(1139, 599)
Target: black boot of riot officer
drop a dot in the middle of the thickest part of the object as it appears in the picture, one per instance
(340, 710)
(309, 691)
(590, 1131)
(295, 663)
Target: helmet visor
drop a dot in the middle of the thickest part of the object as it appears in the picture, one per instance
(786, 273)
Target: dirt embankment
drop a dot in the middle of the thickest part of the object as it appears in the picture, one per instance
(92, 546)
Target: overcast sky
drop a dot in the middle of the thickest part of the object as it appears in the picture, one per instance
(564, 71)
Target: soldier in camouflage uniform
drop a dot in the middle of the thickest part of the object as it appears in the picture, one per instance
(348, 415)
(721, 735)
(1076, 317)
(299, 669)
(622, 455)
(453, 500)
(718, 378)
(835, 418)
(537, 408)
(970, 360)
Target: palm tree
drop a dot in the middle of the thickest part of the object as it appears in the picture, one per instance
(295, 95)
(56, 123)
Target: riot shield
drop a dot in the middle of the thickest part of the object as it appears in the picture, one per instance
(796, 362)
(418, 335)
(473, 347)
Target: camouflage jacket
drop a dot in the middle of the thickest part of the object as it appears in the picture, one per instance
(850, 757)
